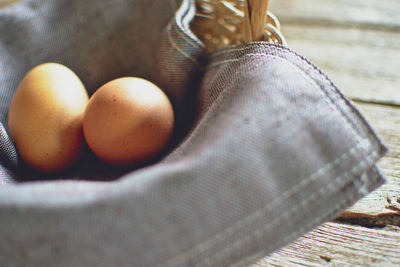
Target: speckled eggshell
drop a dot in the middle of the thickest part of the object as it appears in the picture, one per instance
(45, 117)
(128, 120)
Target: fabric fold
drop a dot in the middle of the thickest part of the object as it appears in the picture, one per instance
(274, 151)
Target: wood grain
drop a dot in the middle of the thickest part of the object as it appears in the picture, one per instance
(357, 43)
(365, 64)
(371, 14)
(255, 18)
(259, 18)
(386, 200)
(336, 244)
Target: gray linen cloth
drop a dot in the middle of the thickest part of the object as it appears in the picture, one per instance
(274, 150)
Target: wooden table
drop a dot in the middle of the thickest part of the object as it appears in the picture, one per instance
(357, 43)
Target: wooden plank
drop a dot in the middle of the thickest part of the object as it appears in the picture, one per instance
(335, 244)
(367, 69)
(385, 201)
(363, 13)
(355, 42)
(363, 63)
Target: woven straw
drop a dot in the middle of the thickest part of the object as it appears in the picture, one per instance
(219, 24)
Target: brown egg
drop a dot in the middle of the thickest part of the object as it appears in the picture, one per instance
(45, 117)
(128, 120)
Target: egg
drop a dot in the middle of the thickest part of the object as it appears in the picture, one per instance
(128, 120)
(45, 117)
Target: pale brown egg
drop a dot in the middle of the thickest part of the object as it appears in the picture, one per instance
(128, 120)
(45, 117)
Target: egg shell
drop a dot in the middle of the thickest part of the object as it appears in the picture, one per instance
(45, 117)
(128, 120)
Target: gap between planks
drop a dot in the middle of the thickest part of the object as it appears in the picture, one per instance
(363, 64)
(356, 43)
(375, 238)
(363, 61)
(334, 244)
(360, 13)
(382, 207)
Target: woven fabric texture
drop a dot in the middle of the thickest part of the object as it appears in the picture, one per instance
(266, 147)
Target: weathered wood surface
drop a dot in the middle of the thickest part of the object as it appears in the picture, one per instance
(386, 200)
(340, 245)
(372, 14)
(365, 64)
(356, 43)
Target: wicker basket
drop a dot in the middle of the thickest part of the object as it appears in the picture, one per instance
(220, 24)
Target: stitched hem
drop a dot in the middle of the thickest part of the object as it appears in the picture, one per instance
(360, 186)
(229, 55)
(200, 248)
(257, 234)
(330, 102)
(347, 199)
(179, 33)
(364, 144)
